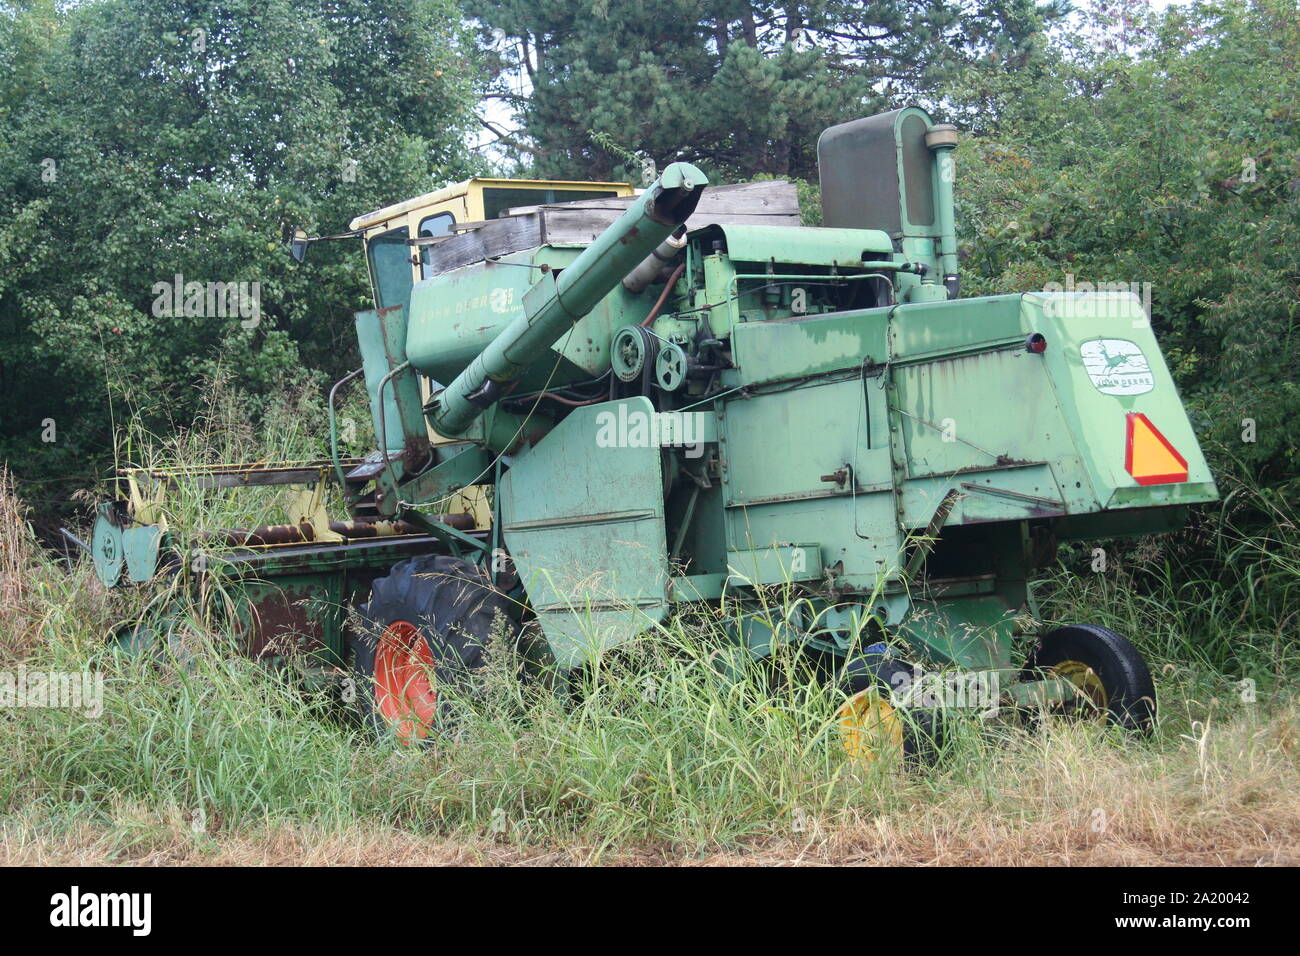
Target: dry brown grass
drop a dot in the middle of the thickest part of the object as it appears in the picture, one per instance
(1229, 797)
(18, 620)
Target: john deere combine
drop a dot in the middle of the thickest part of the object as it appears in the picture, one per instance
(673, 403)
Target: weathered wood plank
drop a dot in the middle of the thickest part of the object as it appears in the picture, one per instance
(574, 226)
(776, 197)
(496, 238)
(773, 203)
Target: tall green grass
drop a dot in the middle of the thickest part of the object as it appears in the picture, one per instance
(652, 747)
(222, 434)
(1209, 607)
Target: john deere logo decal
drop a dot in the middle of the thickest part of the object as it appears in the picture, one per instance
(1117, 367)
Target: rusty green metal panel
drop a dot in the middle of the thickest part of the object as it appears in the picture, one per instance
(1108, 366)
(875, 173)
(973, 399)
(885, 172)
(288, 601)
(782, 454)
(790, 347)
(142, 544)
(381, 335)
(583, 518)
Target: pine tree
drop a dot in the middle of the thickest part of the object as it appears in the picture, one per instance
(737, 86)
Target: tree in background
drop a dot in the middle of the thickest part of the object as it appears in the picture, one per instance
(141, 139)
(145, 139)
(1160, 148)
(739, 87)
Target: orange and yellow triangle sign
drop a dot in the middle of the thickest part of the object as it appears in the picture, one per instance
(1149, 457)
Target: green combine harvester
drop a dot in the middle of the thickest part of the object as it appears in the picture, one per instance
(592, 408)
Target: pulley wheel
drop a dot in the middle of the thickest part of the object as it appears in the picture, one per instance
(627, 353)
(106, 546)
(670, 367)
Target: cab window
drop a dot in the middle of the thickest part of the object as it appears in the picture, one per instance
(390, 268)
(497, 199)
(432, 227)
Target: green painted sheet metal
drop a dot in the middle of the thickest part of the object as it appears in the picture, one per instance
(876, 172)
(142, 545)
(780, 564)
(1108, 365)
(1022, 435)
(973, 632)
(1058, 407)
(807, 246)
(455, 315)
(789, 348)
(783, 453)
(381, 335)
(583, 518)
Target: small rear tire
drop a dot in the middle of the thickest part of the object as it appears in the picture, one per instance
(1110, 675)
(872, 725)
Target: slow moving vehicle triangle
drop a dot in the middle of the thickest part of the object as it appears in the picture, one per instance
(1148, 455)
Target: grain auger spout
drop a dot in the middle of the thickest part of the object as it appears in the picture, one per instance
(554, 304)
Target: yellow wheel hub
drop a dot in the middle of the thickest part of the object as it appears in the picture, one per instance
(869, 727)
(1086, 681)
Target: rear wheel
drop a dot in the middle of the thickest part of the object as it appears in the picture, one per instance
(426, 627)
(871, 724)
(870, 729)
(1108, 673)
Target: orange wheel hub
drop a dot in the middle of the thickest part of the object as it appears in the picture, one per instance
(405, 686)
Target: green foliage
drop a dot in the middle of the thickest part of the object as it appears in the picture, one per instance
(741, 88)
(146, 139)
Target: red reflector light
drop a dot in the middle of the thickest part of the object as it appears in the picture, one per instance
(1036, 342)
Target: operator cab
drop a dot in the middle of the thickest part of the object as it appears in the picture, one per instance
(398, 237)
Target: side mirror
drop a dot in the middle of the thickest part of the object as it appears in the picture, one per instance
(298, 240)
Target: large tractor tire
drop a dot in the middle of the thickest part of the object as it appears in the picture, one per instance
(1112, 679)
(425, 628)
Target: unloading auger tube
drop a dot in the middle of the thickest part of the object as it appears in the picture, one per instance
(552, 306)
